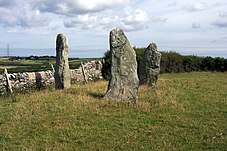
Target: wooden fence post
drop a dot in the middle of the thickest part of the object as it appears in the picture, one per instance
(8, 83)
(52, 67)
(84, 75)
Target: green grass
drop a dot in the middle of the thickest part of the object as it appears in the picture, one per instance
(25, 65)
(187, 111)
(36, 65)
(75, 63)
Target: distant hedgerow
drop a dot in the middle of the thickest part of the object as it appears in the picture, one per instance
(173, 62)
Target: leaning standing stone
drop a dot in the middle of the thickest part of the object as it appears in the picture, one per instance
(124, 81)
(149, 68)
(62, 72)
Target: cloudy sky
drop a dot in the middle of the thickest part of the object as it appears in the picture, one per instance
(169, 23)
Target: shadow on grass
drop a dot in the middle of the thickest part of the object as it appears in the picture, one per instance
(96, 95)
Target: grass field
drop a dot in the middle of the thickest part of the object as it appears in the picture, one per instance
(187, 111)
(14, 66)
(25, 65)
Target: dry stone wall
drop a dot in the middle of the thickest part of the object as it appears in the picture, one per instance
(26, 81)
(92, 69)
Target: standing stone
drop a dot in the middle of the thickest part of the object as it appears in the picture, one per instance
(124, 82)
(149, 67)
(62, 72)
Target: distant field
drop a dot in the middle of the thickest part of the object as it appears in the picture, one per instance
(2, 59)
(34, 65)
(187, 111)
(7, 67)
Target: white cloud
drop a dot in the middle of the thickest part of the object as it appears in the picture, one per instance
(130, 20)
(21, 14)
(91, 5)
(223, 14)
(172, 4)
(85, 21)
(32, 18)
(4, 3)
(166, 21)
(218, 4)
(196, 25)
(7, 18)
(135, 16)
(134, 19)
(220, 24)
(159, 20)
(88, 14)
(197, 6)
(85, 14)
(79, 7)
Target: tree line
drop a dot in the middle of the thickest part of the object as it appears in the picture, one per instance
(173, 62)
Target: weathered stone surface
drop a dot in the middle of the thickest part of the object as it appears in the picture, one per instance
(92, 70)
(8, 83)
(124, 81)
(149, 68)
(32, 80)
(62, 72)
(26, 81)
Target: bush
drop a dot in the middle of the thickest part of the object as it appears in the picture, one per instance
(107, 65)
(220, 64)
(192, 63)
(173, 62)
(139, 54)
(208, 64)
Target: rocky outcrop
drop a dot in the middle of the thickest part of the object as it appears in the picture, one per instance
(124, 81)
(62, 72)
(149, 68)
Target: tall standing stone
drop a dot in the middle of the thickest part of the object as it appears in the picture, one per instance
(124, 82)
(62, 72)
(149, 67)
